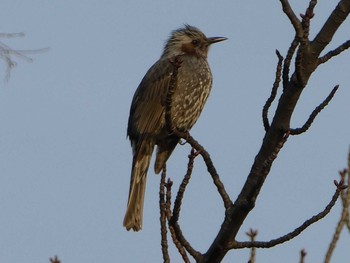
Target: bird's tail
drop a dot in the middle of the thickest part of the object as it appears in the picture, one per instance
(164, 150)
(134, 211)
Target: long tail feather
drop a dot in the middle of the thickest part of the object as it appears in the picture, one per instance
(134, 211)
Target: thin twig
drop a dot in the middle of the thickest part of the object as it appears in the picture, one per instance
(272, 97)
(309, 13)
(210, 166)
(313, 115)
(252, 235)
(335, 238)
(287, 61)
(7, 54)
(163, 212)
(287, 9)
(173, 221)
(348, 194)
(334, 52)
(304, 42)
(168, 187)
(294, 233)
(180, 237)
(176, 242)
(182, 188)
(55, 260)
(343, 218)
(302, 255)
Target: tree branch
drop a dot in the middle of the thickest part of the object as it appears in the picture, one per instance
(334, 52)
(252, 235)
(180, 237)
(315, 112)
(345, 196)
(273, 92)
(325, 35)
(176, 242)
(55, 260)
(287, 9)
(302, 255)
(210, 166)
(306, 63)
(295, 232)
(287, 61)
(163, 212)
(7, 53)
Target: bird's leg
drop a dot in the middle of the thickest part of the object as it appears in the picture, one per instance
(184, 135)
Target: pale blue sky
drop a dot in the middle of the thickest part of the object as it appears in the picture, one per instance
(65, 161)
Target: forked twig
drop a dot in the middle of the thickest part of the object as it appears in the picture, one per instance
(252, 235)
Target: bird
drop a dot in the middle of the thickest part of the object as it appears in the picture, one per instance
(146, 125)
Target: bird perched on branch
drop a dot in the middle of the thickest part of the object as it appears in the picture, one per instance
(147, 127)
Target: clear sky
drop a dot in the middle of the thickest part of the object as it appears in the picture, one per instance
(65, 161)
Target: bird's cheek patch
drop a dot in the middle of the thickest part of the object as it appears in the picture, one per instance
(188, 48)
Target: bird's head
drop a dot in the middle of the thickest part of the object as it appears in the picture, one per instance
(189, 40)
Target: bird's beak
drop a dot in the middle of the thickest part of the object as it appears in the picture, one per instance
(213, 40)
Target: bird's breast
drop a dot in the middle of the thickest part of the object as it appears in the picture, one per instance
(194, 83)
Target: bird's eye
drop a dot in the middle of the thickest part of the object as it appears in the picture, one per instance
(195, 42)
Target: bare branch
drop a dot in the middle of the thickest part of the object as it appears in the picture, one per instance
(347, 220)
(294, 233)
(163, 211)
(7, 53)
(334, 52)
(252, 235)
(343, 218)
(304, 44)
(273, 92)
(173, 221)
(302, 255)
(305, 64)
(182, 188)
(287, 9)
(309, 14)
(325, 35)
(55, 260)
(315, 112)
(287, 61)
(180, 237)
(343, 175)
(177, 243)
(210, 166)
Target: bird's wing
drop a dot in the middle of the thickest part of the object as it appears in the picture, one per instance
(148, 105)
